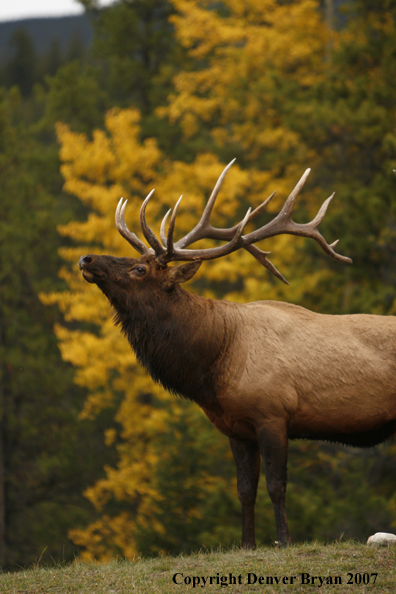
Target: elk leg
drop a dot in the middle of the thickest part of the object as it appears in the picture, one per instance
(273, 446)
(247, 460)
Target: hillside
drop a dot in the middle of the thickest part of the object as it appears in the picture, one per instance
(339, 567)
(43, 30)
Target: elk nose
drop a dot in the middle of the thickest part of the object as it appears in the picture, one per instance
(84, 260)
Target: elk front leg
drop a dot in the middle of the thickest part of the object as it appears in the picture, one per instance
(273, 446)
(247, 460)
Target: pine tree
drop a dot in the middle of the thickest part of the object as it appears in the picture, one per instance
(138, 53)
(21, 69)
(42, 470)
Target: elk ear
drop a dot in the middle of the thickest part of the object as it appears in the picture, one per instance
(183, 273)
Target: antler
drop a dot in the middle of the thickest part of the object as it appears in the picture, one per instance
(124, 231)
(168, 251)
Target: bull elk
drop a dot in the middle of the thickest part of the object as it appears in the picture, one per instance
(262, 372)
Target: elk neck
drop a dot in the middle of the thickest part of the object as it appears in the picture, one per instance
(181, 339)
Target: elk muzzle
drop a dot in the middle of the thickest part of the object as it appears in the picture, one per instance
(89, 275)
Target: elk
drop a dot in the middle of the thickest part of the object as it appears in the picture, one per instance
(262, 372)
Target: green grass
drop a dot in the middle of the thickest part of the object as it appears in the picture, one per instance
(154, 576)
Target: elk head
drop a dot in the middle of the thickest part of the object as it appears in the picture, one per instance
(117, 276)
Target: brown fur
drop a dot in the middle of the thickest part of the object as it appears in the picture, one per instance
(262, 372)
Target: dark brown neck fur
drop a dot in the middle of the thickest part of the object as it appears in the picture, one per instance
(179, 338)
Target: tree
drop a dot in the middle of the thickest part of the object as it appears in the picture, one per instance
(135, 45)
(54, 56)
(74, 97)
(42, 471)
(76, 49)
(21, 69)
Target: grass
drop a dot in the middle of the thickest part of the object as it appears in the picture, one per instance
(347, 561)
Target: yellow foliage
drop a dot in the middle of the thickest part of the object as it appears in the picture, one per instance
(243, 55)
(106, 537)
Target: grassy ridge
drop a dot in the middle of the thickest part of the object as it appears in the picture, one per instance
(154, 576)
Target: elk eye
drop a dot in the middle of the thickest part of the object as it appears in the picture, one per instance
(137, 271)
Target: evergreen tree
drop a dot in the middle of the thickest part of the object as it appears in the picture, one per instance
(46, 453)
(134, 41)
(21, 68)
(75, 49)
(54, 57)
(75, 97)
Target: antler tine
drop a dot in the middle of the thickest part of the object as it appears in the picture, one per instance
(163, 227)
(171, 229)
(313, 232)
(147, 232)
(212, 199)
(283, 218)
(262, 206)
(239, 231)
(261, 256)
(203, 227)
(124, 231)
(321, 212)
(224, 234)
(288, 207)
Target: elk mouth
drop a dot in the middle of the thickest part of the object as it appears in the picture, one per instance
(89, 275)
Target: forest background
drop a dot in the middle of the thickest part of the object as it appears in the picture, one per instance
(95, 459)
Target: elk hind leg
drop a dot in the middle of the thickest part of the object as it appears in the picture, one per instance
(247, 460)
(273, 446)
